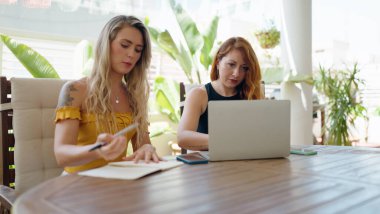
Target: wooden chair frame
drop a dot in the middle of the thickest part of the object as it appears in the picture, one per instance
(7, 140)
(7, 195)
(182, 95)
(15, 114)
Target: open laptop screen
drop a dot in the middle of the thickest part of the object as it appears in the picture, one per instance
(248, 129)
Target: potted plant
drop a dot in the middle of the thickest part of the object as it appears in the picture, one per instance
(340, 88)
(268, 37)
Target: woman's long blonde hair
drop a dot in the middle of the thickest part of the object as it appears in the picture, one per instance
(250, 88)
(98, 100)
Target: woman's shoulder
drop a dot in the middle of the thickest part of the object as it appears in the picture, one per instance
(80, 84)
(197, 94)
(198, 91)
(73, 93)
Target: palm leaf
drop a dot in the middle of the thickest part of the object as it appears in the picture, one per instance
(35, 63)
(158, 128)
(209, 40)
(185, 61)
(153, 34)
(167, 97)
(188, 27)
(166, 42)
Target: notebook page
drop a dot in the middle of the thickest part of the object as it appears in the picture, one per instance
(162, 165)
(115, 172)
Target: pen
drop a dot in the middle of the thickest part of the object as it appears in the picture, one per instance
(119, 133)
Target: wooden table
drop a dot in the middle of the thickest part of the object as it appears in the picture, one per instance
(338, 179)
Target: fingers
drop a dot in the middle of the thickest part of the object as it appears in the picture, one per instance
(155, 158)
(148, 157)
(139, 156)
(147, 153)
(113, 148)
(104, 137)
(129, 158)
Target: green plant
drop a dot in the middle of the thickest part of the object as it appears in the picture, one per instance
(341, 88)
(40, 67)
(37, 65)
(377, 111)
(167, 96)
(84, 57)
(195, 51)
(268, 37)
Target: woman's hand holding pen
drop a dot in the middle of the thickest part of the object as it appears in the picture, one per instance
(147, 152)
(113, 148)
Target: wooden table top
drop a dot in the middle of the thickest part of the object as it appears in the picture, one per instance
(338, 179)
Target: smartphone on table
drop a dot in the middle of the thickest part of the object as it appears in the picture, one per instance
(306, 152)
(192, 158)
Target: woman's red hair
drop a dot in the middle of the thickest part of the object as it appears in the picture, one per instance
(250, 88)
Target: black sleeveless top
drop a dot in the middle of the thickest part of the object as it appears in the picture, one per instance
(212, 95)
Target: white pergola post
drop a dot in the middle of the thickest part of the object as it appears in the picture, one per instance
(296, 55)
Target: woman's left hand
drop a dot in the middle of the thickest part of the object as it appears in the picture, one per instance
(147, 152)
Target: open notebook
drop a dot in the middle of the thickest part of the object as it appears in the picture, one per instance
(129, 170)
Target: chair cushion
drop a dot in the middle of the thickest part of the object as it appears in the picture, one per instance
(34, 102)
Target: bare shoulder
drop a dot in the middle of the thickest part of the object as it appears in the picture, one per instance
(73, 93)
(198, 93)
(197, 97)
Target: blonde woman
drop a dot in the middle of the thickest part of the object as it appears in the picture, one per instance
(235, 75)
(115, 95)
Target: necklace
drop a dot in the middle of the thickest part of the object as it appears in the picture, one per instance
(117, 101)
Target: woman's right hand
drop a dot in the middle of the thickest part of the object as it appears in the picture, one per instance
(115, 146)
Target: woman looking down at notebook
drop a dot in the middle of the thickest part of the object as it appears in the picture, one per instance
(235, 75)
(115, 95)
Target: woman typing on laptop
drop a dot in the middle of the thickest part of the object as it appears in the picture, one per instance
(235, 75)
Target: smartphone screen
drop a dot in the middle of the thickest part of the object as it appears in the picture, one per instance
(192, 158)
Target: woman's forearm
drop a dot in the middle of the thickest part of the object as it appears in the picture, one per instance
(193, 140)
(73, 155)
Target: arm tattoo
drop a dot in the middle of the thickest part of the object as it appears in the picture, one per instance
(65, 99)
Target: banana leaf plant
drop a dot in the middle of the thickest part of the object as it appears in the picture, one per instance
(166, 93)
(192, 54)
(197, 49)
(167, 97)
(37, 65)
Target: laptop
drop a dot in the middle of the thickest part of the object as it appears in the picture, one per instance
(248, 129)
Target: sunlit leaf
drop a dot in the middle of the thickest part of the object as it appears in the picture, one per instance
(167, 97)
(35, 63)
(188, 27)
(209, 40)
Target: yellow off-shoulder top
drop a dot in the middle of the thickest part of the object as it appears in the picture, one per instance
(88, 133)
